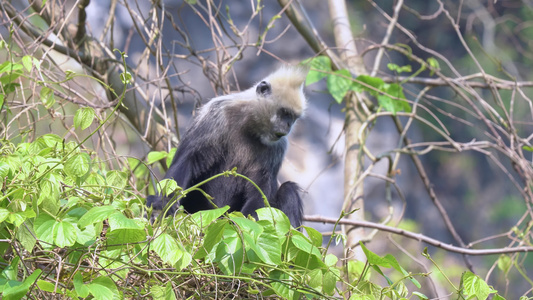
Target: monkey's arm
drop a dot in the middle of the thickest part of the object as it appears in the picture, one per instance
(193, 159)
(179, 170)
(288, 200)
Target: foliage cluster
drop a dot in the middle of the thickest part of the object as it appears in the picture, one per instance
(390, 96)
(73, 227)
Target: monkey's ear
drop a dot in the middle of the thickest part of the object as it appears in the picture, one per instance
(263, 89)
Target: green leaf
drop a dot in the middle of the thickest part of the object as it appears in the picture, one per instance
(496, 297)
(356, 269)
(248, 226)
(5, 66)
(4, 213)
(52, 140)
(163, 293)
(330, 282)
(205, 217)
(170, 156)
(314, 235)
(84, 118)
(78, 165)
(47, 97)
(8, 81)
(475, 286)
(315, 279)
(434, 65)
(27, 62)
(139, 169)
(368, 83)
(96, 214)
(268, 246)
(26, 236)
(19, 217)
(394, 263)
(120, 221)
(504, 263)
(87, 236)
(398, 69)
(213, 236)
(528, 148)
(305, 245)
(103, 288)
(184, 261)
(117, 179)
(4, 169)
(65, 234)
(49, 196)
(331, 260)
(156, 156)
(339, 83)
(124, 230)
(44, 229)
(18, 291)
(167, 186)
(126, 78)
(9, 67)
(81, 288)
(11, 271)
(422, 296)
(363, 297)
(48, 287)
(167, 248)
(320, 68)
(280, 284)
(375, 259)
(276, 217)
(229, 253)
(396, 104)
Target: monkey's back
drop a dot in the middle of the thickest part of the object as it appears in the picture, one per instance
(247, 131)
(218, 141)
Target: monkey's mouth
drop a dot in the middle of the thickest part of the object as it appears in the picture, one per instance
(279, 134)
(272, 137)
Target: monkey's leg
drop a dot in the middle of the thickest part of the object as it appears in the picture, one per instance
(251, 205)
(158, 202)
(288, 200)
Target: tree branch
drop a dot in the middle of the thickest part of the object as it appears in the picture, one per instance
(496, 82)
(419, 237)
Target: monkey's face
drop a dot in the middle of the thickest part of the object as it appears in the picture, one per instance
(274, 115)
(274, 125)
(267, 111)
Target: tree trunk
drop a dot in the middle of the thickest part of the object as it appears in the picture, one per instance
(353, 188)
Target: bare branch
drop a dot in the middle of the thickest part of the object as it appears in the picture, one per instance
(419, 237)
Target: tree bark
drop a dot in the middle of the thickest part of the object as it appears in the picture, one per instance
(353, 188)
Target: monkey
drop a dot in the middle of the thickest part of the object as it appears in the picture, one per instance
(247, 131)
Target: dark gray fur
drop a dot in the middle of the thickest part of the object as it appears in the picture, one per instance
(231, 133)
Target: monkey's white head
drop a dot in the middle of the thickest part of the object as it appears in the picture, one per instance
(284, 88)
(265, 111)
(279, 101)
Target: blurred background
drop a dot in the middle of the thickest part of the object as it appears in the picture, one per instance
(470, 127)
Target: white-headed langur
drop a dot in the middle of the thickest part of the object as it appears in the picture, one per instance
(246, 130)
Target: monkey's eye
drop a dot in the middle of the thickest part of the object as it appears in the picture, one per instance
(263, 88)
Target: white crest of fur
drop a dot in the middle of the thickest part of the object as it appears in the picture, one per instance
(287, 87)
(287, 91)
